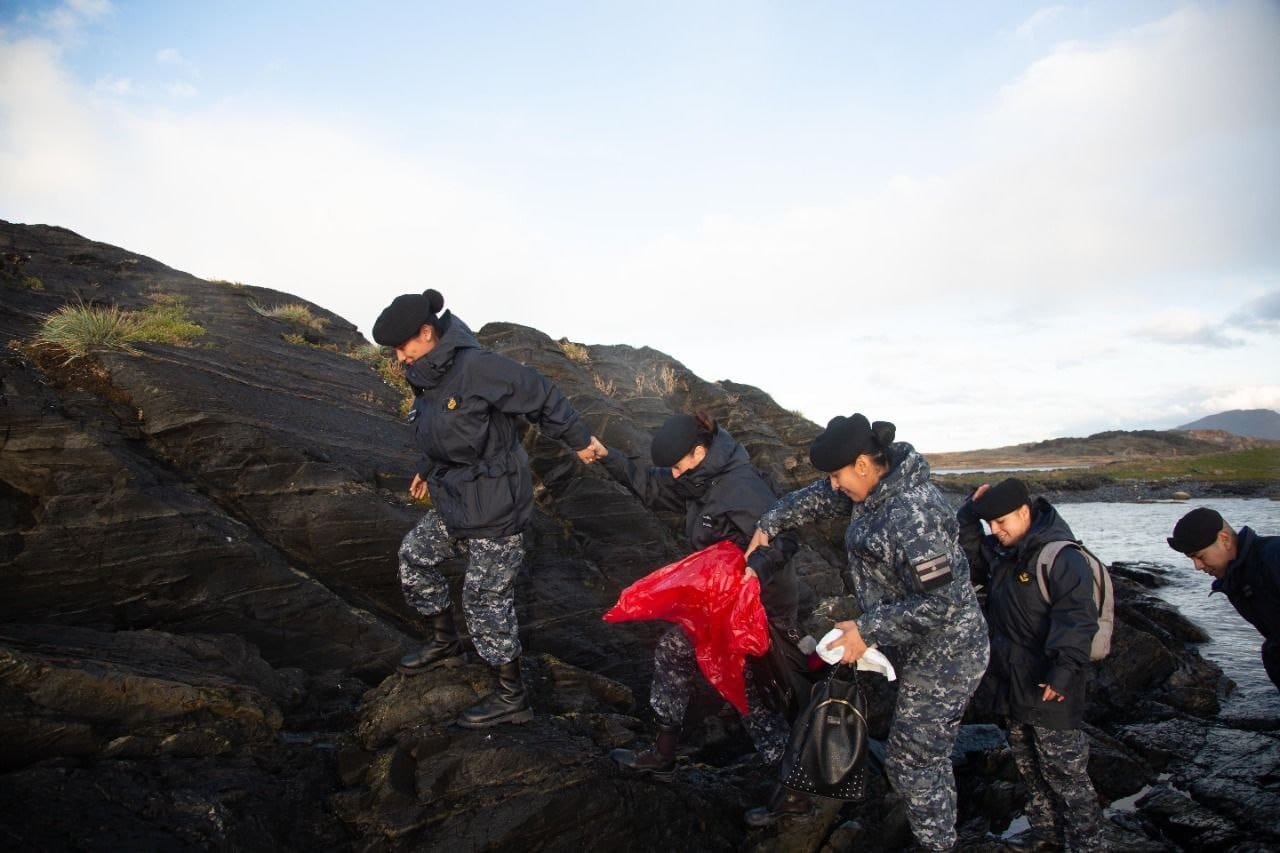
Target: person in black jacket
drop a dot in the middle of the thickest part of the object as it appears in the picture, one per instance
(700, 470)
(1039, 657)
(1244, 566)
(467, 409)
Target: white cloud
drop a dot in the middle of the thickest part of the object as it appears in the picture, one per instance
(1040, 19)
(51, 151)
(1248, 397)
(182, 89)
(1091, 192)
(113, 86)
(173, 58)
(1180, 327)
(67, 19)
(1259, 314)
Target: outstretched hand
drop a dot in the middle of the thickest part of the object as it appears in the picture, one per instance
(980, 491)
(759, 540)
(593, 452)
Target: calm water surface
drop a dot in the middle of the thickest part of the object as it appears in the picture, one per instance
(1136, 533)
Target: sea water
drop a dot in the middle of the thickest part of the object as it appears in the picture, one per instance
(1136, 532)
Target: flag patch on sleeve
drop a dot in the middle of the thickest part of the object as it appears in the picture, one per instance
(933, 571)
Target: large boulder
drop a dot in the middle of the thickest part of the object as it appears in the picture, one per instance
(200, 612)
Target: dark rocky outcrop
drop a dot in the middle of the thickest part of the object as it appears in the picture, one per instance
(199, 612)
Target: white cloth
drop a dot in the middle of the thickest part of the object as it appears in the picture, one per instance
(872, 661)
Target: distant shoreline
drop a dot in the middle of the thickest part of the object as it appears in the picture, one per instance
(1096, 488)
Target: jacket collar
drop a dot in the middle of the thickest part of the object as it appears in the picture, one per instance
(427, 371)
(1246, 539)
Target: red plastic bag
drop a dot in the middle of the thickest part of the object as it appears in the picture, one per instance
(709, 596)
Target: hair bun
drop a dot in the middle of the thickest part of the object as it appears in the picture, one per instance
(884, 433)
(435, 300)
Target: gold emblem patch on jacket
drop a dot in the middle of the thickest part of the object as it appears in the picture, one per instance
(1024, 577)
(933, 571)
(452, 404)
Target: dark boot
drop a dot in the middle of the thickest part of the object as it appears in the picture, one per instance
(660, 761)
(508, 704)
(1029, 842)
(784, 803)
(444, 650)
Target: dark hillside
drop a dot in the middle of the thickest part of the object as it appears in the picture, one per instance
(200, 615)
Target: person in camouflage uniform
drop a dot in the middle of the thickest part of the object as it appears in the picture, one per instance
(700, 470)
(467, 408)
(1039, 658)
(911, 581)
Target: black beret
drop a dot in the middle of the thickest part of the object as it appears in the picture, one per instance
(1196, 530)
(845, 439)
(673, 440)
(1002, 498)
(405, 317)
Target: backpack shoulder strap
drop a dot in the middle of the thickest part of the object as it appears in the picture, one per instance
(1044, 562)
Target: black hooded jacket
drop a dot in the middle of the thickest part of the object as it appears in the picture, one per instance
(1252, 583)
(466, 419)
(721, 498)
(1034, 642)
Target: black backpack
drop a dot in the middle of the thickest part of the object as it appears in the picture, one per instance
(827, 753)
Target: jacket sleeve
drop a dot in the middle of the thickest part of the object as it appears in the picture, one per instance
(814, 502)
(655, 487)
(514, 389)
(1073, 618)
(921, 543)
(971, 539)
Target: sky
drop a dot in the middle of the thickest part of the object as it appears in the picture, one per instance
(988, 222)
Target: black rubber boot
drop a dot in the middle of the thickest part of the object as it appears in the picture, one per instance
(784, 803)
(508, 704)
(1029, 842)
(659, 762)
(444, 650)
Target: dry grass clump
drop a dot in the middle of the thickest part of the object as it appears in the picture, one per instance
(79, 328)
(291, 312)
(574, 352)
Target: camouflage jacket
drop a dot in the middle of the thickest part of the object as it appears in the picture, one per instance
(906, 567)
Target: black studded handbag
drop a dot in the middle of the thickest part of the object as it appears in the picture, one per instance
(827, 753)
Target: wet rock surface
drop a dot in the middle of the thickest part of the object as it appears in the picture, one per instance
(199, 616)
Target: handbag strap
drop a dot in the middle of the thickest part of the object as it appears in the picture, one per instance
(854, 708)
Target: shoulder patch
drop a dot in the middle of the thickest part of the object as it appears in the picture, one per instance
(933, 571)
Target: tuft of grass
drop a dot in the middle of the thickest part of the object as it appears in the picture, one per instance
(292, 312)
(166, 322)
(368, 353)
(607, 388)
(385, 365)
(78, 328)
(32, 283)
(574, 352)
(294, 338)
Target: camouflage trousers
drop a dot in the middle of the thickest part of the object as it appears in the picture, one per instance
(675, 664)
(1054, 766)
(935, 682)
(488, 588)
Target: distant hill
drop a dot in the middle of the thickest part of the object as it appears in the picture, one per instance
(1255, 423)
(1099, 448)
